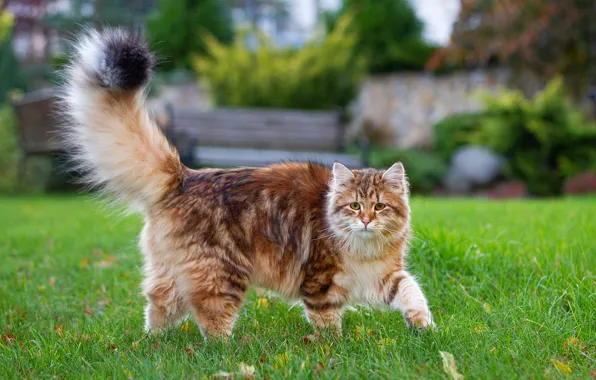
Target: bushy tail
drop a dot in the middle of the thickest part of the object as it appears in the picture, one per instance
(112, 138)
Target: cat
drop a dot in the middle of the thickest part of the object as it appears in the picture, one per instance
(326, 237)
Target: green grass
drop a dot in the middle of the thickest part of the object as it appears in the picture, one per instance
(512, 286)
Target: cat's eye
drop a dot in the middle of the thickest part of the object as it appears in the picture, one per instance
(379, 206)
(355, 206)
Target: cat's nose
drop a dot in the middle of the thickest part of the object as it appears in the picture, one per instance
(365, 221)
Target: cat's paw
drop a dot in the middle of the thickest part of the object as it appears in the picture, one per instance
(420, 319)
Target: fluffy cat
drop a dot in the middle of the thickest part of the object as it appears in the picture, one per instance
(325, 237)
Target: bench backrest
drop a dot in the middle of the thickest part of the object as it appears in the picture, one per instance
(260, 128)
(37, 121)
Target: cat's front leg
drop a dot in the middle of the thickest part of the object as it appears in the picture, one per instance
(324, 302)
(403, 293)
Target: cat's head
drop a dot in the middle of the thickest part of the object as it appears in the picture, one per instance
(368, 208)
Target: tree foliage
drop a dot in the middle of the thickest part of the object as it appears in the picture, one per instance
(9, 67)
(546, 37)
(389, 34)
(321, 75)
(177, 29)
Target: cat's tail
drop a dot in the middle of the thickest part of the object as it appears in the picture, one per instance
(110, 134)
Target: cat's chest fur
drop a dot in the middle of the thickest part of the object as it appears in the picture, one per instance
(363, 278)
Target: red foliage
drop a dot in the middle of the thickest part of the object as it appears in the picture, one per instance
(548, 37)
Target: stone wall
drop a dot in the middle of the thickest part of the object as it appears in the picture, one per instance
(400, 110)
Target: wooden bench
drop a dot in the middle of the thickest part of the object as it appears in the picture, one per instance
(227, 137)
(38, 125)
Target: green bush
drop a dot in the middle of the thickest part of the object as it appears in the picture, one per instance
(545, 139)
(389, 34)
(176, 31)
(9, 66)
(425, 169)
(9, 149)
(320, 75)
(455, 131)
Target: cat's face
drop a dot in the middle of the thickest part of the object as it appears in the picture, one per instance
(368, 206)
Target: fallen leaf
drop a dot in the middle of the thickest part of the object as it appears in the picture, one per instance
(244, 371)
(155, 346)
(319, 367)
(307, 339)
(88, 311)
(59, 329)
(189, 351)
(263, 358)
(560, 366)
(84, 262)
(127, 373)
(593, 373)
(282, 360)
(571, 342)
(185, 326)
(135, 344)
(112, 346)
(108, 262)
(449, 366)
(8, 338)
(41, 288)
(486, 307)
(245, 340)
(52, 281)
(263, 303)
(223, 375)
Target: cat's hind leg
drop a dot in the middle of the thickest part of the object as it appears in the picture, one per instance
(215, 288)
(166, 304)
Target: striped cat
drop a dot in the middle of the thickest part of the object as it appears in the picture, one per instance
(326, 237)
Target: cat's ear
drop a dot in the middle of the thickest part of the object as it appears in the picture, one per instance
(341, 175)
(395, 176)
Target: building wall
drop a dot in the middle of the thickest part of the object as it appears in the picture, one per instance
(399, 110)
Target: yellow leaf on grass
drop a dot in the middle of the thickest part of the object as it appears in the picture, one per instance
(571, 342)
(185, 326)
(449, 366)
(486, 307)
(560, 366)
(263, 302)
(282, 360)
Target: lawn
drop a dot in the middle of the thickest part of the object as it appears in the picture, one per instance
(512, 286)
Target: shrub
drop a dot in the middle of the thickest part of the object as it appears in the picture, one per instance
(455, 131)
(9, 149)
(425, 170)
(177, 29)
(320, 75)
(389, 34)
(9, 66)
(546, 139)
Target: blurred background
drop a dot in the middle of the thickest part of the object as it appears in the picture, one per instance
(492, 98)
